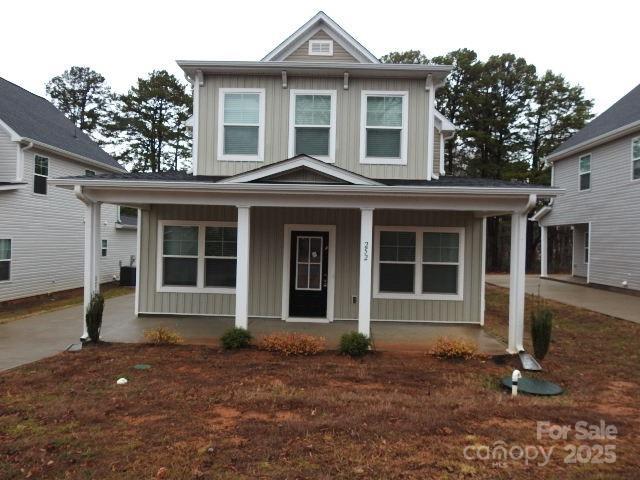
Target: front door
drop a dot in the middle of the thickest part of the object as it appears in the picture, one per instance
(308, 274)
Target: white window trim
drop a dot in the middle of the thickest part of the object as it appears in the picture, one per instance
(10, 260)
(332, 126)
(33, 191)
(321, 42)
(634, 160)
(261, 126)
(580, 172)
(417, 282)
(402, 160)
(199, 288)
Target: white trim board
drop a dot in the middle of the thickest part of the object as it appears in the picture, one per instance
(286, 264)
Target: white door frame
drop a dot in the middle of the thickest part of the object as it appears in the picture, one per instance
(286, 267)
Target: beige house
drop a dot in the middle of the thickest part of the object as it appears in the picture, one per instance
(318, 195)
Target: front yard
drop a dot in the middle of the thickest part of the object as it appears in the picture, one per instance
(202, 413)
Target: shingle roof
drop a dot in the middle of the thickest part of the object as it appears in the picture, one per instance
(623, 112)
(447, 181)
(36, 118)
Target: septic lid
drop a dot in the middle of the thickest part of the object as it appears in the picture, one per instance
(534, 386)
(142, 366)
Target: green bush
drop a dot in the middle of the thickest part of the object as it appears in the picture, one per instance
(235, 338)
(541, 325)
(354, 344)
(93, 317)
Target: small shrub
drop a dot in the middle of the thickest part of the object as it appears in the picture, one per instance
(541, 326)
(163, 336)
(293, 343)
(354, 344)
(93, 317)
(235, 338)
(454, 348)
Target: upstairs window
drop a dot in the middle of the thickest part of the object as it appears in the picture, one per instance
(585, 172)
(383, 136)
(40, 175)
(635, 158)
(241, 124)
(321, 47)
(5, 259)
(312, 124)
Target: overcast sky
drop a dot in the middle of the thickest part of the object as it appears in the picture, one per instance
(592, 44)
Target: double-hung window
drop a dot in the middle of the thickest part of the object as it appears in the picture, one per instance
(40, 174)
(5, 259)
(104, 249)
(312, 124)
(419, 262)
(585, 172)
(196, 256)
(241, 124)
(635, 158)
(383, 120)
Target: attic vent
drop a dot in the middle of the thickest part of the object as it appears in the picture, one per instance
(321, 47)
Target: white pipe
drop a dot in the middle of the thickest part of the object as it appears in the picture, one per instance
(515, 376)
(20, 166)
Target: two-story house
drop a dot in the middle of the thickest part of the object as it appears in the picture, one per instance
(41, 228)
(599, 169)
(318, 195)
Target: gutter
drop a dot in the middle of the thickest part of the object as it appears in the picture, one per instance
(79, 192)
(320, 189)
(593, 142)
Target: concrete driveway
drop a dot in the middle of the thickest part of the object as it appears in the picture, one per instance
(619, 305)
(39, 336)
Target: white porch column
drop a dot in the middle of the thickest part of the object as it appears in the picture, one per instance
(366, 253)
(543, 251)
(92, 246)
(517, 281)
(242, 268)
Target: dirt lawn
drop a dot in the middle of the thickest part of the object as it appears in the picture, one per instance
(202, 413)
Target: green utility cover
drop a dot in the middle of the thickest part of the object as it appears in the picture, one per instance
(142, 366)
(533, 386)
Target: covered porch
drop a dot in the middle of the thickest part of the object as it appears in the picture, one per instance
(431, 277)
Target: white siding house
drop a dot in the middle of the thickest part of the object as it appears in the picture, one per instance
(41, 227)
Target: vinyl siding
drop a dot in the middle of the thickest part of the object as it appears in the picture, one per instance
(47, 233)
(8, 157)
(347, 123)
(611, 207)
(301, 54)
(436, 152)
(265, 290)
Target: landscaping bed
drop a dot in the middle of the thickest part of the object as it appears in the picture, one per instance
(200, 412)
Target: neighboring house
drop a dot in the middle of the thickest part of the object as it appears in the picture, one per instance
(318, 195)
(599, 168)
(41, 228)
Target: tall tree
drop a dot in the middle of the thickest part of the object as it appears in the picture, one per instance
(83, 96)
(409, 56)
(149, 124)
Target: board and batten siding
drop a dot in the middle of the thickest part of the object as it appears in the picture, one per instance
(301, 54)
(8, 157)
(611, 208)
(348, 102)
(267, 237)
(47, 233)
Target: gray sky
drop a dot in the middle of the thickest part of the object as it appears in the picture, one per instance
(593, 44)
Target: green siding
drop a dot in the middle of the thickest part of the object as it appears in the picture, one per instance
(267, 231)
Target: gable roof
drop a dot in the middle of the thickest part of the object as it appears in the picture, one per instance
(309, 164)
(321, 21)
(624, 113)
(33, 118)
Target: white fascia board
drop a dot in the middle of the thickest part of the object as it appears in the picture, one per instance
(12, 133)
(593, 142)
(443, 123)
(317, 20)
(540, 214)
(297, 162)
(73, 156)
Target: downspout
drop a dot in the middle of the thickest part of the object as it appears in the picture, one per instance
(20, 166)
(79, 192)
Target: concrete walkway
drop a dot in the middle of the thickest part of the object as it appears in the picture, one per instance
(614, 304)
(39, 336)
